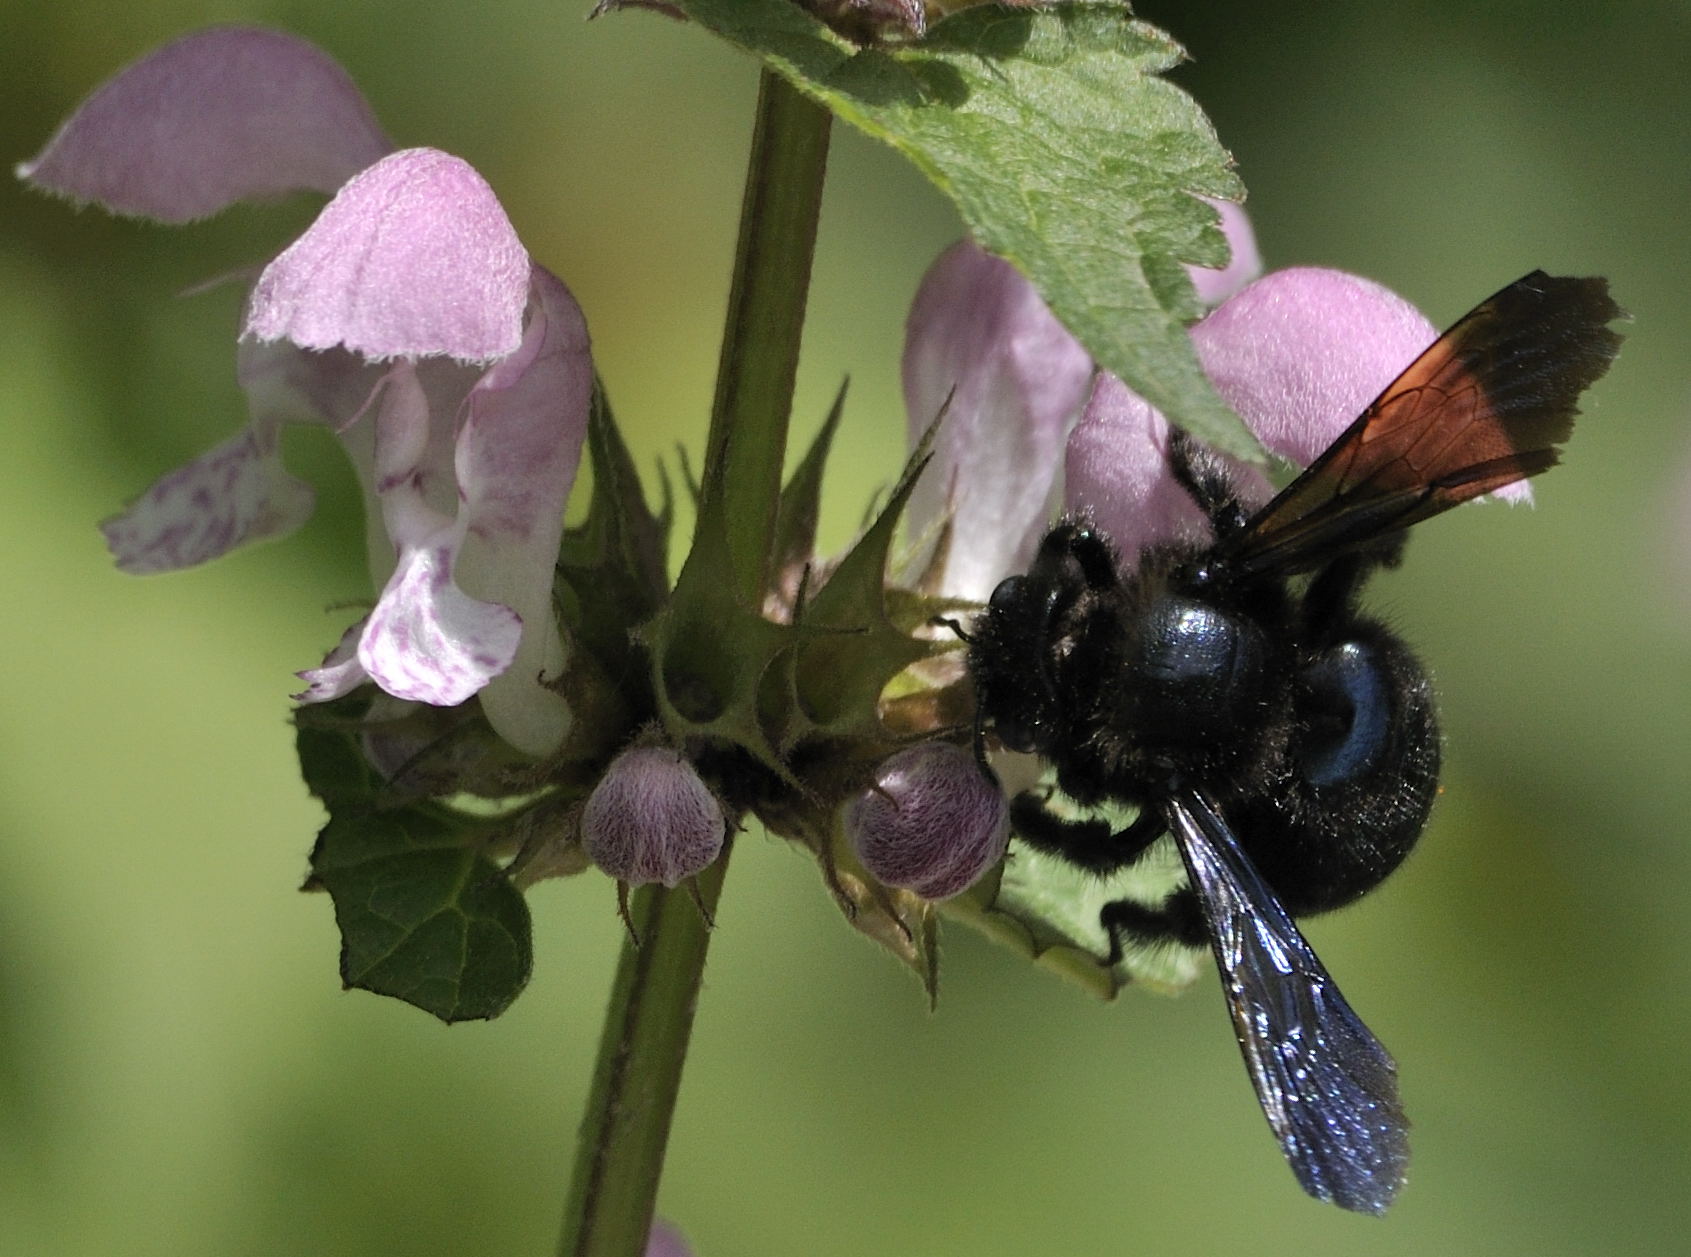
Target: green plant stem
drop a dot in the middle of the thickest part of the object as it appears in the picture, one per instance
(747, 446)
(620, 1154)
(644, 1045)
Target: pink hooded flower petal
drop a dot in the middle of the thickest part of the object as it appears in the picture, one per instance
(339, 673)
(1117, 473)
(1301, 352)
(516, 460)
(413, 258)
(1244, 265)
(236, 493)
(413, 263)
(224, 115)
(979, 334)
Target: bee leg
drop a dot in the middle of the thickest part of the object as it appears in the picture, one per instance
(1201, 472)
(1076, 542)
(1093, 846)
(1331, 597)
(1178, 920)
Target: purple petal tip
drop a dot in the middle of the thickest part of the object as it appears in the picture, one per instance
(223, 115)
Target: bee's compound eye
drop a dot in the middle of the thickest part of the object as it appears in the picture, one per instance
(1015, 735)
(1008, 593)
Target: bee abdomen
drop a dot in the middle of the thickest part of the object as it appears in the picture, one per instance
(1363, 773)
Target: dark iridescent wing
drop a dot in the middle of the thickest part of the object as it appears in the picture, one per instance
(1327, 1087)
(1485, 406)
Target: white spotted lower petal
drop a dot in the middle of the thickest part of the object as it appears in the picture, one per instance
(427, 639)
(339, 673)
(237, 493)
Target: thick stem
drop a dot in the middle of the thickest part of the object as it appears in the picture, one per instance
(626, 1127)
(624, 1133)
(760, 345)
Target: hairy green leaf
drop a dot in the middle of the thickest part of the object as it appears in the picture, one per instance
(1064, 150)
(1047, 909)
(424, 917)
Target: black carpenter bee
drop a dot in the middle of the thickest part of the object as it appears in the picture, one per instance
(1235, 695)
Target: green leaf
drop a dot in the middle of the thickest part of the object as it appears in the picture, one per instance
(1047, 910)
(424, 917)
(1065, 152)
(330, 758)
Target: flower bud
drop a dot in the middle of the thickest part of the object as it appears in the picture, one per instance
(933, 822)
(651, 819)
(666, 1241)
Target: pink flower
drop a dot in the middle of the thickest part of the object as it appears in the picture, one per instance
(1031, 430)
(409, 318)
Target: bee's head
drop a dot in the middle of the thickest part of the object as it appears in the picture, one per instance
(1012, 662)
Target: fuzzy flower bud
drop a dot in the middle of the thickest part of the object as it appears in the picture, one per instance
(666, 1241)
(933, 822)
(651, 819)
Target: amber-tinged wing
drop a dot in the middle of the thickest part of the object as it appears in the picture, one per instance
(1327, 1087)
(1485, 406)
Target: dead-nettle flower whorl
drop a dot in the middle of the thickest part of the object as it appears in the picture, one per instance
(651, 819)
(933, 823)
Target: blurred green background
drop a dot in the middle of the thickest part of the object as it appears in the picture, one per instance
(179, 1073)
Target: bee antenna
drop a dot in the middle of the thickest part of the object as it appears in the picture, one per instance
(956, 626)
(979, 740)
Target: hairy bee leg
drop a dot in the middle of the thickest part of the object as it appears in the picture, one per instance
(1086, 548)
(1093, 846)
(1179, 920)
(1201, 472)
(1331, 598)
